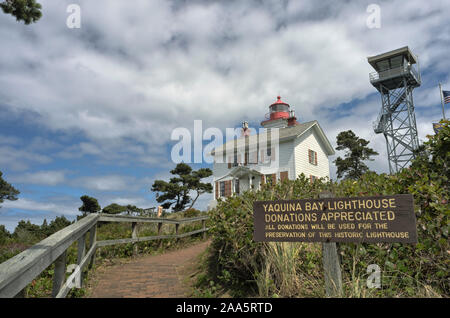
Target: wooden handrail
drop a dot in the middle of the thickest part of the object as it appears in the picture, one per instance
(17, 272)
(142, 219)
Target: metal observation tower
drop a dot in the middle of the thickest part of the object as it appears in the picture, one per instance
(395, 78)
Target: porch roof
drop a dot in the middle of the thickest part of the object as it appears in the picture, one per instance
(240, 171)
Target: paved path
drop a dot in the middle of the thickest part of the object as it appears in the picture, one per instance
(148, 276)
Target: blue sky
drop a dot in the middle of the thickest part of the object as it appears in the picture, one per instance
(91, 110)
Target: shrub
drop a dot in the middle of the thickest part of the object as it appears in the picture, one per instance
(247, 267)
(190, 213)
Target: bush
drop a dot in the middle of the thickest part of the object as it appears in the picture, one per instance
(190, 213)
(4, 235)
(247, 267)
(239, 261)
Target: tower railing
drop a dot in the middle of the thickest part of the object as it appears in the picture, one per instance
(378, 125)
(394, 72)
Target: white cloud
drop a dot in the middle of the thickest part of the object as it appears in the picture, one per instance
(114, 89)
(20, 159)
(136, 72)
(32, 205)
(106, 183)
(41, 177)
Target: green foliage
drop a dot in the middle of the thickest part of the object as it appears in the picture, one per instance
(190, 213)
(27, 11)
(250, 268)
(90, 205)
(7, 191)
(27, 234)
(57, 224)
(4, 234)
(176, 191)
(114, 208)
(356, 152)
(237, 259)
(133, 209)
(200, 187)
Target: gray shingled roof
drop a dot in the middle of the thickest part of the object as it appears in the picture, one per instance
(285, 134)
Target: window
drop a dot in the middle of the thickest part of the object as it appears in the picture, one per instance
(236, 186)
(279, 108)
(267, 155)
(222, 188)
(253, 157)
(312, 156)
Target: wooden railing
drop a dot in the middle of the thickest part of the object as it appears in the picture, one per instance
(17, 272)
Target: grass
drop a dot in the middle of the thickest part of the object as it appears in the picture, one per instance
(198, 280)
(295, 270)
(289, 271)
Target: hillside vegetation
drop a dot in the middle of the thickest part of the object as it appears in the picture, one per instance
(238, 266)
(26, 234)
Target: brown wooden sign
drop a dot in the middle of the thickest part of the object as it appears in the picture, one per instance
(361, 219)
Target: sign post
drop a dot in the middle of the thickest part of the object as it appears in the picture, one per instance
(331, 266)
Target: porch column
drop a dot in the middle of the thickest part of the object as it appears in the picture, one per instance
(250, 182)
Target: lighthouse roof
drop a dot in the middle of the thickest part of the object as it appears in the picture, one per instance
(279, 101)
(284, 135)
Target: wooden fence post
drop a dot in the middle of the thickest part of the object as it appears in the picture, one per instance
(177, 228)
(80, 256)
(331, 266)
(204, 227)
(92, 241)
(59, 274)
(160, 232)
(134, 235)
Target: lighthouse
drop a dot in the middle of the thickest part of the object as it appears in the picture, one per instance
(280, 115)
(302, 148)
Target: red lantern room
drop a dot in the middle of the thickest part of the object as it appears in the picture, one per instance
(279, 115)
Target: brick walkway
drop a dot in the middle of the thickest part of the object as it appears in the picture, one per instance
(148, 276)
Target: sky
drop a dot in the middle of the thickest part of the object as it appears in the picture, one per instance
(91, 110)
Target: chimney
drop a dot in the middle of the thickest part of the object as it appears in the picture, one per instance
(245, 130)
(292, 120)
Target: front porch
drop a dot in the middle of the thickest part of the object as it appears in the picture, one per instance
(237, 181)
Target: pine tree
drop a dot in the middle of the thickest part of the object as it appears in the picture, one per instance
(27, 11)
(7, 191)
(176, 191)
(90, 205)
(352, 166)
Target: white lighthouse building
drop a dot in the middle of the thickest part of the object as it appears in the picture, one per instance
(301, 148)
